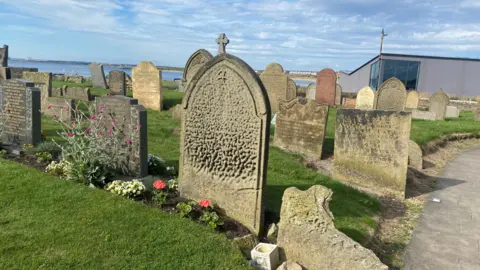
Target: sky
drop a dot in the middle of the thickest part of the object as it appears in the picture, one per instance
(300, 35)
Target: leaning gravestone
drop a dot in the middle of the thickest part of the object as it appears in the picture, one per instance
(412, 101)
(311, 90)
(224, 139)
(326, 87)
(276, 82)
(391, 96)
(116, 82)
(371, 149)
(98, 76)
(365, 99)
(4, 56)
(338, 94)
(438, 104)
(43, 81)
(21, 102)
(59, 108)
(291, 89)
(147, 85)
(129, 117)
(300, 126)
(194, 63)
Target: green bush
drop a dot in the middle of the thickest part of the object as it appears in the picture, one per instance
(47, 147)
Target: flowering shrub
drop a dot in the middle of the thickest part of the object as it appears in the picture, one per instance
(160, 193)
(203, 211)
(185, 208)
(128, 189)
(61, 169)
(211, 219)
(172, 185)
(28, 147)
(156, 165)
(44, 157)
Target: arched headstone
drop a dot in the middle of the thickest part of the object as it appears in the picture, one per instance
(291, 89)
(147, 85)
(194, 63)
(412, 100)
(391, 96)
(438, 104)
(365, 99)
(276, 82)
(311, 90)
(326, 87)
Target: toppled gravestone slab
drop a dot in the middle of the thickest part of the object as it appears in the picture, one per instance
(308, 236)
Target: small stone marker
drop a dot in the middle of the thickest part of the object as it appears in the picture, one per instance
(349, 103)
(224, 139)
(77, 93)
(301, 127)
(326, 87)
(415, 156)
(21, 101)
(338, 95)
(117, 82)
(391, 96)
(194, 63)
(43, 81)
(98, 76)
(17, 72)
(60, 108)
(222, 42)
(75, 79)
(438, 104)
(147, 85)
(424, 115)
(365, 99)
(291, 89)
(412, 101)
(129, 115)
(276, 82)
(4, 56)
(371, 149)
(452, 112)
(311, 90)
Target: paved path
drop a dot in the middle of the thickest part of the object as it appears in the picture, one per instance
(448, 233)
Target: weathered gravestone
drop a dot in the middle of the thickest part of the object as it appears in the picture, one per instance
(412, 101)
(60, 108)
(326, 87)
(301, 91)
(43, 81)
(476, 113)
(415, 156)
(17, 72)
(276, 82)
(147, 85)
(21, 102)
(349, 103)
(452, 112)
(365, 99)
(130, 118)
(424, 115)
(300, 126)
(311, 90)
(338, 94)
(77, 93)
(98, 76)
(391, 96)
(75, 79)
(177, 112)
(194, 63)
(4, 56)
(224, 139)
(57, 92)
(117, 82)
(371, 149)
(291, 89)
(438, 104)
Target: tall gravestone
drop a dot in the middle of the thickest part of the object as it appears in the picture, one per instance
(224, 139)
(98, 76)
(365, 99)
(412, 101)
(147, 85)
(371, 149)
(4, 56)
(291, 89)
(194, 63)
(438, 104)
(338, 94)
(311, 90)
(21, 102)
(276, 82)
(43, 81)
(300, 126)
(326, 87)
(129, 116)
(391, 96)
(117, 82)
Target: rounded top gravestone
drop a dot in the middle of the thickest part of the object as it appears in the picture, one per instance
(291, 89)
(438, 104)
(196, 60)
(311, 90)
(365, 99)
(276, 82)
(326, 87)
(412, 100)
(391, 96)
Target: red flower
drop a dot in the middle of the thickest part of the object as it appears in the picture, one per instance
(128, 141)
(205, 203)
(70, 134)
(93, 118)
(73, 123)
(49, 107)
(54, 116)
(159, 184)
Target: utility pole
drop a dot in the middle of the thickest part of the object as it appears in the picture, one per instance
(380, 58)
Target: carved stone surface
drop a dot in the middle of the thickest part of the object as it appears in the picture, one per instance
(77, 93)
(308, 235)
(147, 85)
(371, 149)
(130, 117)
(365, 99)
(391, 96)
(338, 94)
(452, 112)
(60, 108)
(326, 87)
(300, 127)
(291, 89)
(289, 265)
(4, 56)
(438, 104)
(98, 76)
(43, 81)
(276, 82)
(224, 139)
(311, 90)
(194, 63)
(415, 156)
(117, 82)
(412, 100)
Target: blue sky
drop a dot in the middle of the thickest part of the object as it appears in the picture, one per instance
(300, 35)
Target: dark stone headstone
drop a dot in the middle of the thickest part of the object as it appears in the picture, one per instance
(98, 76)
(4, 56)
(17, 72)
(77, 93)
(21, 102)
(116, 82)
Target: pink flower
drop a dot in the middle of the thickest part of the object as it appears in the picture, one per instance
(139, 126)
(205, 203)
(159, 184)
(70, 134)
(73, 123)
(128, 141)
(49, 107)
(113, 120)
(93, 118)
(54, 116)
(102, 107)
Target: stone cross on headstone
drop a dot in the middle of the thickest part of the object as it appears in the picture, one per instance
(222, 42)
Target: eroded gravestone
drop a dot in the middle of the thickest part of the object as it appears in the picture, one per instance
(129, 118)
(98, 76)
(424, 115)
(77, 93)
(194, 63)
(224, 139)
(412, 101)
(438, 104)
(117, 82)
(415, 156)
(452, 112)
(308, 235)
(365, 99)
(147, 85)
(60, 108)
(43, 81)
(300, 126)
(391, 96)
(276, 82)
(371, 150)
(4, 56)
(291, 89)
(311, 90)
(326, 87)
(338, 94)
(21, 103)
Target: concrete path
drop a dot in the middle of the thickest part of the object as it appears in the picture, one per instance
(447, 235)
